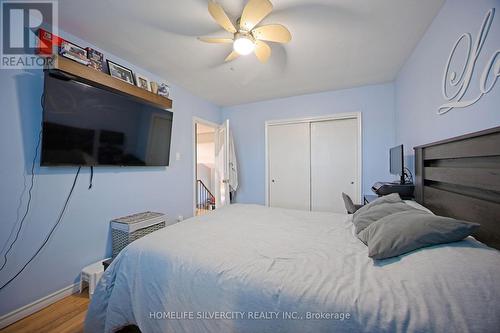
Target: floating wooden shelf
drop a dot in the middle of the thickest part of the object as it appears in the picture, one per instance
(108, 82)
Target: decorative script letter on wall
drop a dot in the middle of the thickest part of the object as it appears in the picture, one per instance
(460, 82)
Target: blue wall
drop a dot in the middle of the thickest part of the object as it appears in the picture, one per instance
(418, 86)
(376, 103)
(393, 113)
(83, 236)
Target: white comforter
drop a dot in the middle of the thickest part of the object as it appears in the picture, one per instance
(258, 269)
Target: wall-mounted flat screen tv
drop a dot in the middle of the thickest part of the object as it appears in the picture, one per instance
(86, 125)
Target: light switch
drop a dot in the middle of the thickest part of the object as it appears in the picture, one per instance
(177, 156)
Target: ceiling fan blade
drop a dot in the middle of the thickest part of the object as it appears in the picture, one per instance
(272, 33)
(262, 51)
(220, 16)
(254, 12)
(215, 40)
(233, 55)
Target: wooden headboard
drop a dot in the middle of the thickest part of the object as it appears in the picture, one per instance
(460, 178)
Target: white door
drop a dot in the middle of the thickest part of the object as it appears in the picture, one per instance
(289, 172)
(222, 165)
(334, 164)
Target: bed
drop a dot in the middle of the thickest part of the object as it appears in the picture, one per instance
(249, 268)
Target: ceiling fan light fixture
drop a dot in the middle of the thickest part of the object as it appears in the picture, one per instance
(248, 37)
(243, 45)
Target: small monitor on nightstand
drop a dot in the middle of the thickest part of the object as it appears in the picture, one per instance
(403, 187)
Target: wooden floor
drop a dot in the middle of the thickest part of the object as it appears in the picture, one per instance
(200, 212)
(64, 316)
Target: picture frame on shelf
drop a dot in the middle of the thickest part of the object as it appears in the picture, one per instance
(120, 72)
(163, 90)
(74, 52)
(154, 87)
(142, 82)
(96, 59)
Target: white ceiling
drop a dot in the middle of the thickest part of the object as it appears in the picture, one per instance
(335, 44)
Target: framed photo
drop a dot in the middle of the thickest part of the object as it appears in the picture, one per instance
(154, 87)
(163, 90)
(96, 58)
(120, 72)
(142, 82)
(74, 52)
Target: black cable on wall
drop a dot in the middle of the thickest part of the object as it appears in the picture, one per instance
(28, 204)
(59, 219)
(47, 238)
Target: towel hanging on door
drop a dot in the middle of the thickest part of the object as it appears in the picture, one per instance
(233, 166)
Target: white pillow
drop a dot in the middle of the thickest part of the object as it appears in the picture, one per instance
(416, 205)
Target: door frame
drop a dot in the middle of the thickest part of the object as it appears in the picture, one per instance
(337, 116)
(197, 120)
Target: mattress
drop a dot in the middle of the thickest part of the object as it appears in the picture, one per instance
(249, 268)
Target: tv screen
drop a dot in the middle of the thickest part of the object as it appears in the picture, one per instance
(396, 160)
(86, 125)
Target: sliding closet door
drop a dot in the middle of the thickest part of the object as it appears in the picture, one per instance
(334, 164)
(289, 168)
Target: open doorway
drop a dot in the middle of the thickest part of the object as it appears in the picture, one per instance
(205, 164)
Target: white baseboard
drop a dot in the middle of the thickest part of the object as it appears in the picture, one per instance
(37, 305)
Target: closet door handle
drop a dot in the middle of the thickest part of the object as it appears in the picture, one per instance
(352, 183)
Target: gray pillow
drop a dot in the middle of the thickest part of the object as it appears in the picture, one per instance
(406, 231)
(378, 209)
(391, 198)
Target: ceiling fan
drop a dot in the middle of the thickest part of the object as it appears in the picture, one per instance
(248, 38)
